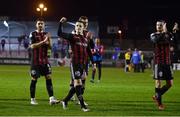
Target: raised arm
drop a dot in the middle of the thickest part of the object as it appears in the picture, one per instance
(62, 34)
(156, 37)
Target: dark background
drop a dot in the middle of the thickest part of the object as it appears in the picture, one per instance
(101, 8)
(139, 15)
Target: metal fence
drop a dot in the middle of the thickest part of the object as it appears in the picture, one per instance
(22, 57)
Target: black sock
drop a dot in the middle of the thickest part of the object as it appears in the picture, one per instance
(70, 94)
(71, 83)
(158, 95)
(79, 95)
(99, 73)
(33, 88)
(127, 69)
(83, 86)
(164, 89)
(93, 74)
(49, 87)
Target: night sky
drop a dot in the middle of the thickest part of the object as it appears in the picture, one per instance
(139, 14)
(106, 9)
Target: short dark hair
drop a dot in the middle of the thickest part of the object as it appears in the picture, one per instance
(80, 21)
(83, 17)
(39, 19)
(163, 21)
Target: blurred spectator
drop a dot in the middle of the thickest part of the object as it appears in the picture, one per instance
(3, 43)
(64, 49)
(116, 54)
(97, 58)
(136, 58)
(176, 34)
(20, 39)
(26, 42)
(173, 57)
(128, 60)
(142, 64)
(55, 50)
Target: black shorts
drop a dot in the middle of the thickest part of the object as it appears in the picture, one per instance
(128, 62)
(40, 70)
(163, 72)
(77, 71)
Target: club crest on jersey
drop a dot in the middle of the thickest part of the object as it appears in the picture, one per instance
(33, 72)
(160, 74)
(77, 73)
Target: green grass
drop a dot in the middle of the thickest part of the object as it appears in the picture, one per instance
(118, 94)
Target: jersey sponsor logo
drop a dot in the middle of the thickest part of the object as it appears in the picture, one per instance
(77, 73)
(81, 44)
(33, 72)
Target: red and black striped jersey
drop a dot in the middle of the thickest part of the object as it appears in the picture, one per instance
(162, 43)
(39, 55)
(90, 41)
(79, 46)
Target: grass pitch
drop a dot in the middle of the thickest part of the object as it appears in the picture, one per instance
(118, 94)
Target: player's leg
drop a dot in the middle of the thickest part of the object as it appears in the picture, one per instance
(78, 72)
(69, 96)
(157, 76)
(49, 87)
(71, 92)
(135, 67)
(158, 90)
(169, 79)
(93, 72)
(143, 67)
(46, 69)
(126, 66)
(157, 97)
(32, 91)
(99, 70)
(138, 67)
(78, 89)
(35, 75)
(84, 76)
(73, 98)
(167, 86)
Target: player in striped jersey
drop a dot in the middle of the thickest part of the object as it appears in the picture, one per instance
(80, 52)
(91, 44)
(40, 43)
(162, 41)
